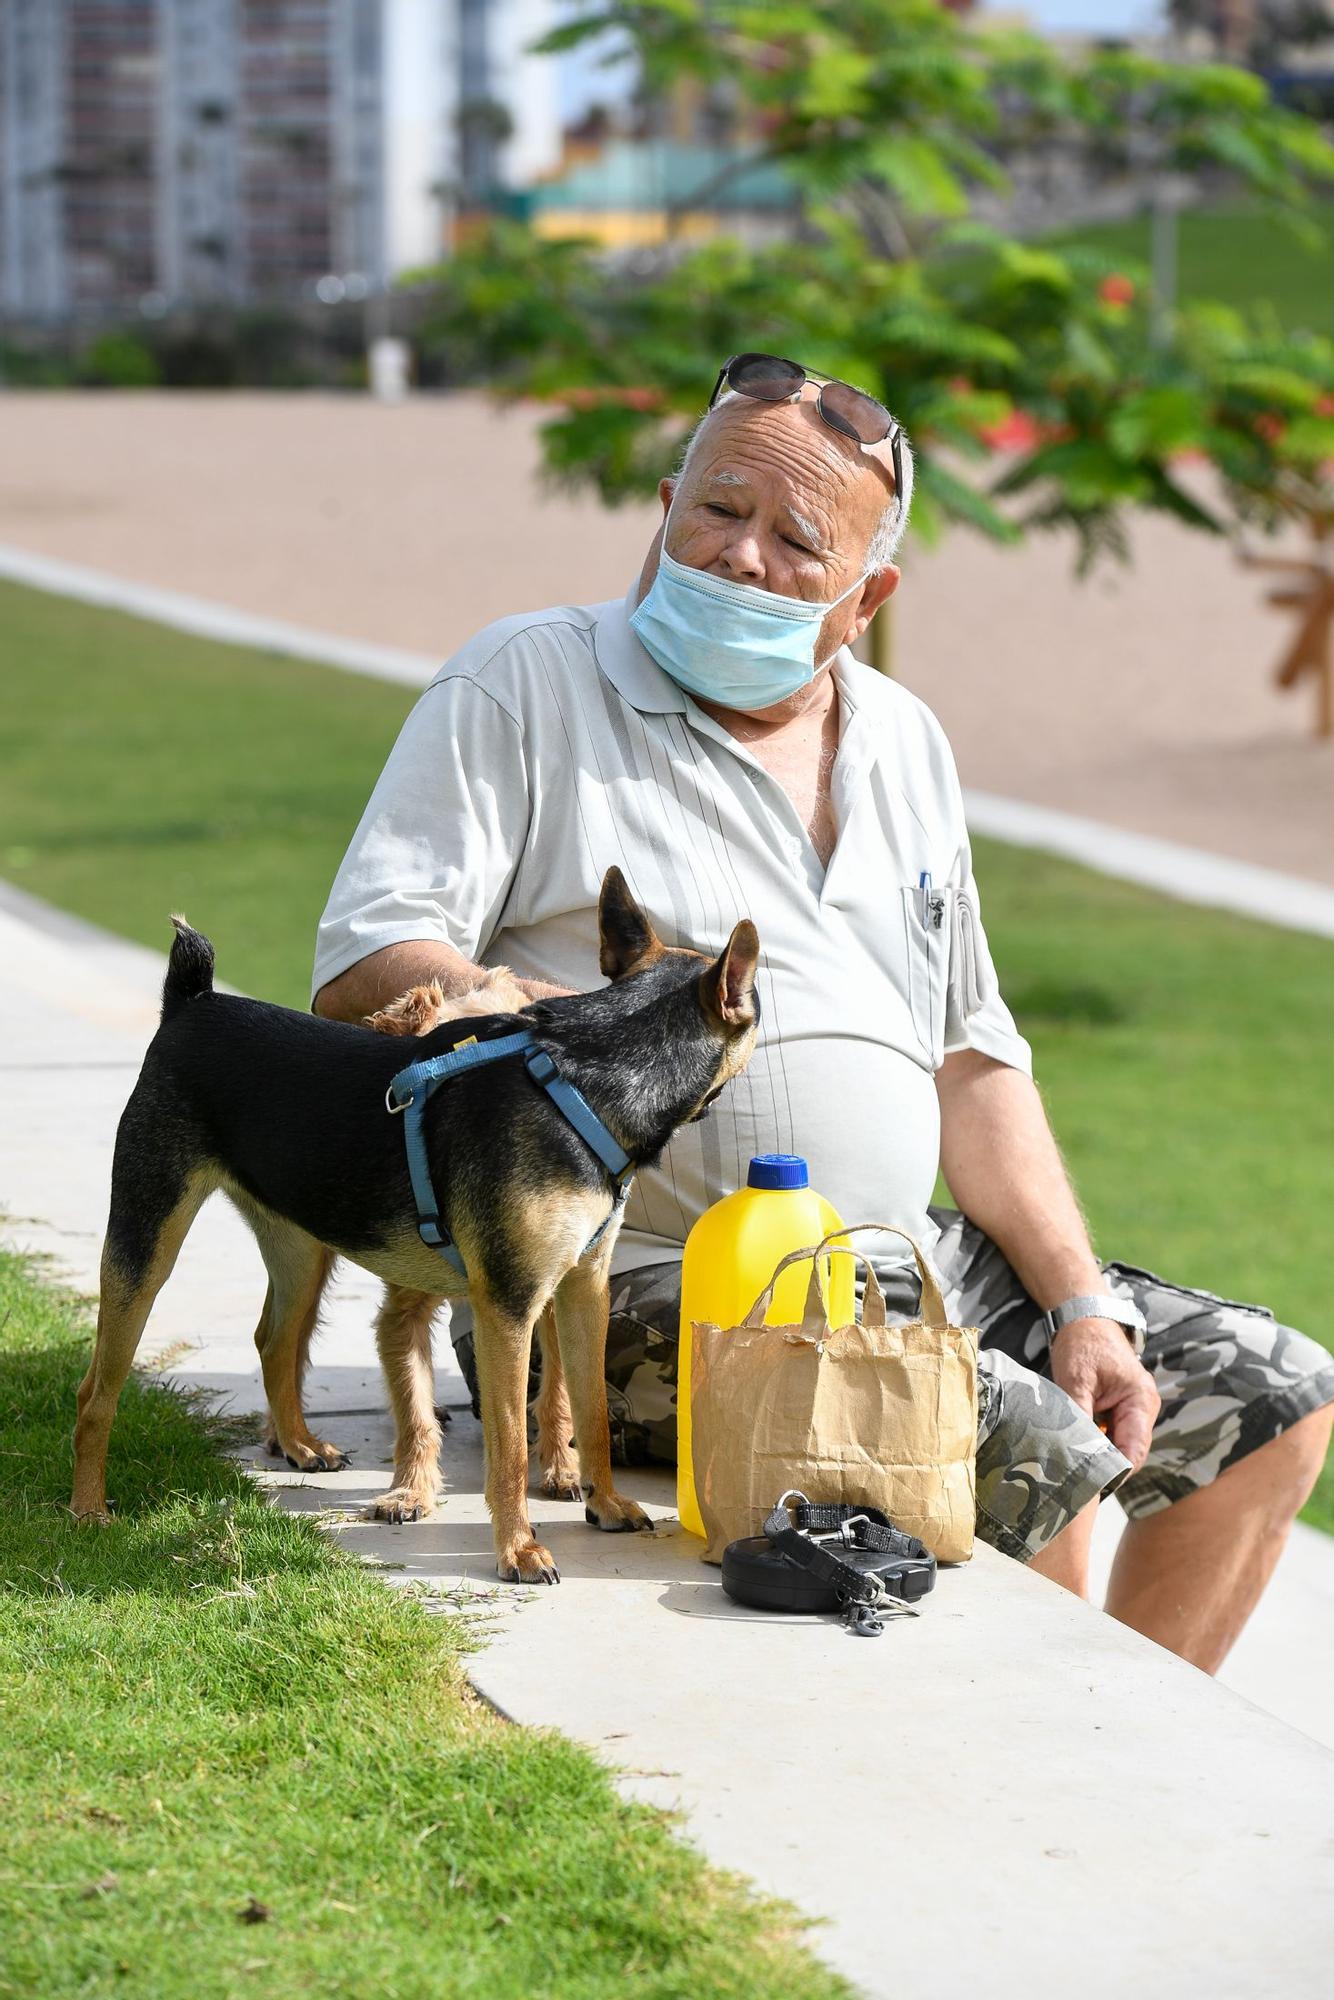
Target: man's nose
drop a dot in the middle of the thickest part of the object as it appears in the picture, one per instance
(741, 560)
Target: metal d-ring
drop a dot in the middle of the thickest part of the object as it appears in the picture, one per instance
(394, 1109)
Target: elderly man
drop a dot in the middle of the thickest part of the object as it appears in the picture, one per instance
(713, 735)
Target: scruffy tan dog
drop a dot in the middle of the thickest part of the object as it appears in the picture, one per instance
(405, 1324)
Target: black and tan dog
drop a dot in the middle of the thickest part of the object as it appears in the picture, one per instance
(286, 1113)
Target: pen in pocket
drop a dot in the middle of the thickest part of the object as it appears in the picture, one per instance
(933, 905)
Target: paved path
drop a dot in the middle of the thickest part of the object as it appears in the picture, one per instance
(1011, 1781)
(1141, 698)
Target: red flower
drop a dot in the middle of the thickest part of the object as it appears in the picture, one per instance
(1116, 289)
(1270, 426)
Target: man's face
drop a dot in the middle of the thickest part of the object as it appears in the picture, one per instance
(773, 498)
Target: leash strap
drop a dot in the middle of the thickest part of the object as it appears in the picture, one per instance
(865, 1598)
(410, 1091)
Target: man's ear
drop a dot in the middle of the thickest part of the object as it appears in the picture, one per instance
(629, 941)
(729, 984)
(875, 592)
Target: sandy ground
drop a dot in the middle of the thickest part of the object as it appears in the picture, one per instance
(1142, 697)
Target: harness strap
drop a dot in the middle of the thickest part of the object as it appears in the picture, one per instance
(410, 1091)
(580, 1114)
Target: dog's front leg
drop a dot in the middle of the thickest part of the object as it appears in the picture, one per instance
(558, 1468)
(503, 1345)
(582, 1302)
(403, 1336)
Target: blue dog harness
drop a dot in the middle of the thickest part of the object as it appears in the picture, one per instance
(413, 1087)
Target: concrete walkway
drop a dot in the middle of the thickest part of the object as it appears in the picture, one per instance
(1009, 1783)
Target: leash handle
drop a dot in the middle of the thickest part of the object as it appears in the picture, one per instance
(865, 1597)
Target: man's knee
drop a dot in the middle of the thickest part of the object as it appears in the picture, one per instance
(1283, 1471)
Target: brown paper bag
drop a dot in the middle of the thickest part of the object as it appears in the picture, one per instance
(883, 1415)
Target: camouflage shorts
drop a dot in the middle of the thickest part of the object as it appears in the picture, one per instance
(1230, 1377)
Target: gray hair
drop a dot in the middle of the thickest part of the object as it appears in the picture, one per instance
(893, 523)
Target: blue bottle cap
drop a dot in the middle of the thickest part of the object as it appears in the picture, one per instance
(778, 1170)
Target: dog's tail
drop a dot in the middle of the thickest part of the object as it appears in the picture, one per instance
(189, 969)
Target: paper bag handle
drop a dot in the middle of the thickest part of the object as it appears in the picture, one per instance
(873, 1308)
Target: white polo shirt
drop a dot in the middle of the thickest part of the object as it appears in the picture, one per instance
(554, 745)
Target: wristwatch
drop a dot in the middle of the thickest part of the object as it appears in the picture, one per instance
(1100, 1305)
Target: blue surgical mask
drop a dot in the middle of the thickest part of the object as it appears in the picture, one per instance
(730, 642)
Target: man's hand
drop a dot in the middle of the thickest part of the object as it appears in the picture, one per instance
(1092, 1360)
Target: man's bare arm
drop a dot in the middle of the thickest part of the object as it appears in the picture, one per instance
(377, 981)
(1003, 1168)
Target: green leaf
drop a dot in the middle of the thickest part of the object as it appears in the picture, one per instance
(961, 502)
(918, 174)
(1267, 384)
(1086, 471)
(1156, 422)
(1173, 499)
(1309, 440)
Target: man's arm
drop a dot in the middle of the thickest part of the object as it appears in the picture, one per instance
(378, 980)
(1000, 1160)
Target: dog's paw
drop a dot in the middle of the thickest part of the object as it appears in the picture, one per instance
(616, 1515)
(560, 1477)
(94, 1517)
(529, 1562)
(401, 1503)
(315, 1456)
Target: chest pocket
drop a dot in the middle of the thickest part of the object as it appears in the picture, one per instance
(949, 970)
(927, 928)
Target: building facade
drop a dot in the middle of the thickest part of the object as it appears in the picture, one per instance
(78, 97)
(157, 153)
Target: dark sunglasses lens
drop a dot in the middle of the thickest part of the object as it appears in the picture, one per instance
(854, 413)
(765, 376)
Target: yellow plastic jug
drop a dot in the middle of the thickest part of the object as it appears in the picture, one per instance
(729, 1258)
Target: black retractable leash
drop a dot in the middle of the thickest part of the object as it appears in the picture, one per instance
(795, 1565)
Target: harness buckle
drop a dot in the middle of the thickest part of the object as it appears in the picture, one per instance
(540, 1066)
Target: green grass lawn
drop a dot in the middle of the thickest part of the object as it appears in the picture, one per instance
(209, 1702)
(1243, 257)
(1186, 1056)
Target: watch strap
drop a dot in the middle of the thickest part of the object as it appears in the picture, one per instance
(1099, 1305)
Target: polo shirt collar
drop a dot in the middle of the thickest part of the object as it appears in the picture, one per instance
(639, 680)
(628, 664)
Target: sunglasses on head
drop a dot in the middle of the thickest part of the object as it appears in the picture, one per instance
(768, 378)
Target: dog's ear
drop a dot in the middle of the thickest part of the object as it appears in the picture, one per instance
(728, 987)
(629, 941)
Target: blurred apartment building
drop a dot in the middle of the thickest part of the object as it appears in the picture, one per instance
(166, 153)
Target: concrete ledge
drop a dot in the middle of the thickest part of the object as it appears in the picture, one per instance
(1008, 1792)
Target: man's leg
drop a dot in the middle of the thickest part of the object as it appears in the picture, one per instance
(1065, 1560)
(1190, 1575)
(1238, 1445)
